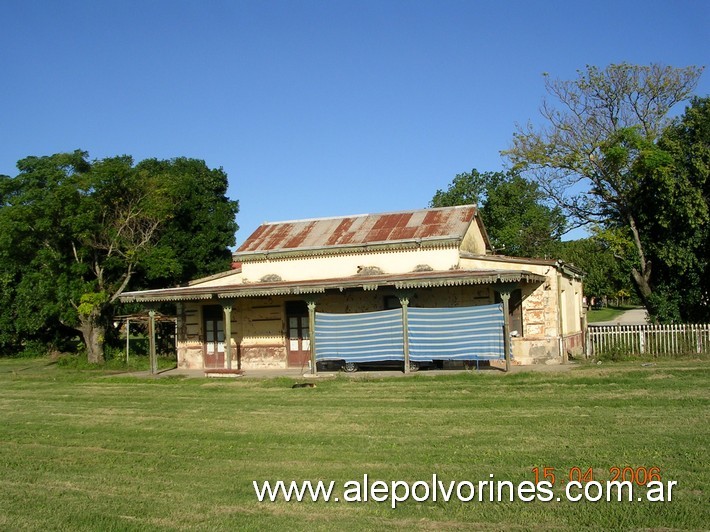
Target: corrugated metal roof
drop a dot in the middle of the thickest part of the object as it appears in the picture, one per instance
(364, 229)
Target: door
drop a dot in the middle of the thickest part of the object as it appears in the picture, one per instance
(214, 336)
(515, 311)
(298, 341)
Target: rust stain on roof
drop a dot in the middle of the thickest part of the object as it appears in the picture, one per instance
(301, 234)
(446, 222)
(341, 234)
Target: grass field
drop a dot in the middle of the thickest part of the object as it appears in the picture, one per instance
(80, 450)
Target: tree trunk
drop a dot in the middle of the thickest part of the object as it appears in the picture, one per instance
(641, 278)
(94, 334)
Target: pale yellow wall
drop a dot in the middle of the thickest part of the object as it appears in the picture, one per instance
(261, 332)
(258, 333)
(473, 241)
(491, 263)
(261, 321)
(328, 267)
(189, 341)
(232, 278)
(571, 299)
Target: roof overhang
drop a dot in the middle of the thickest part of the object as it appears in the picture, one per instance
(563, 267)
(431, 279)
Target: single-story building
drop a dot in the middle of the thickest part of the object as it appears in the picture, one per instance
(413, 286)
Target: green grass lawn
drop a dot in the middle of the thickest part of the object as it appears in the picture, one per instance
(83, 451)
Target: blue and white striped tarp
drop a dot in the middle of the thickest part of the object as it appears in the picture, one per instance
(364, 337)
(467, 333)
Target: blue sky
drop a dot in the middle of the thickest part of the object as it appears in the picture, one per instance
(313, 108)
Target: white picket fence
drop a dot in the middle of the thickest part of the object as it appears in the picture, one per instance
(654, 340)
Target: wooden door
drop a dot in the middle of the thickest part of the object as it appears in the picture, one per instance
(214, 336)
(298, 341)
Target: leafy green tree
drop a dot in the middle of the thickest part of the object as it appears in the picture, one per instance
(675, 194)
(195, 240)
(466, 189)
(599, 133)
(605, 274)
(520, 221)
(517, 220)
(76, 233)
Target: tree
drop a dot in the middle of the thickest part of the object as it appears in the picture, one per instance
(513, 209)
(76, 233)
(466, 189)
(201, 228)
(604, 274)
(675, 193)
(601, 127)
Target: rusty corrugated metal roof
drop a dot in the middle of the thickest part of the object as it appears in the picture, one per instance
(360, 230)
